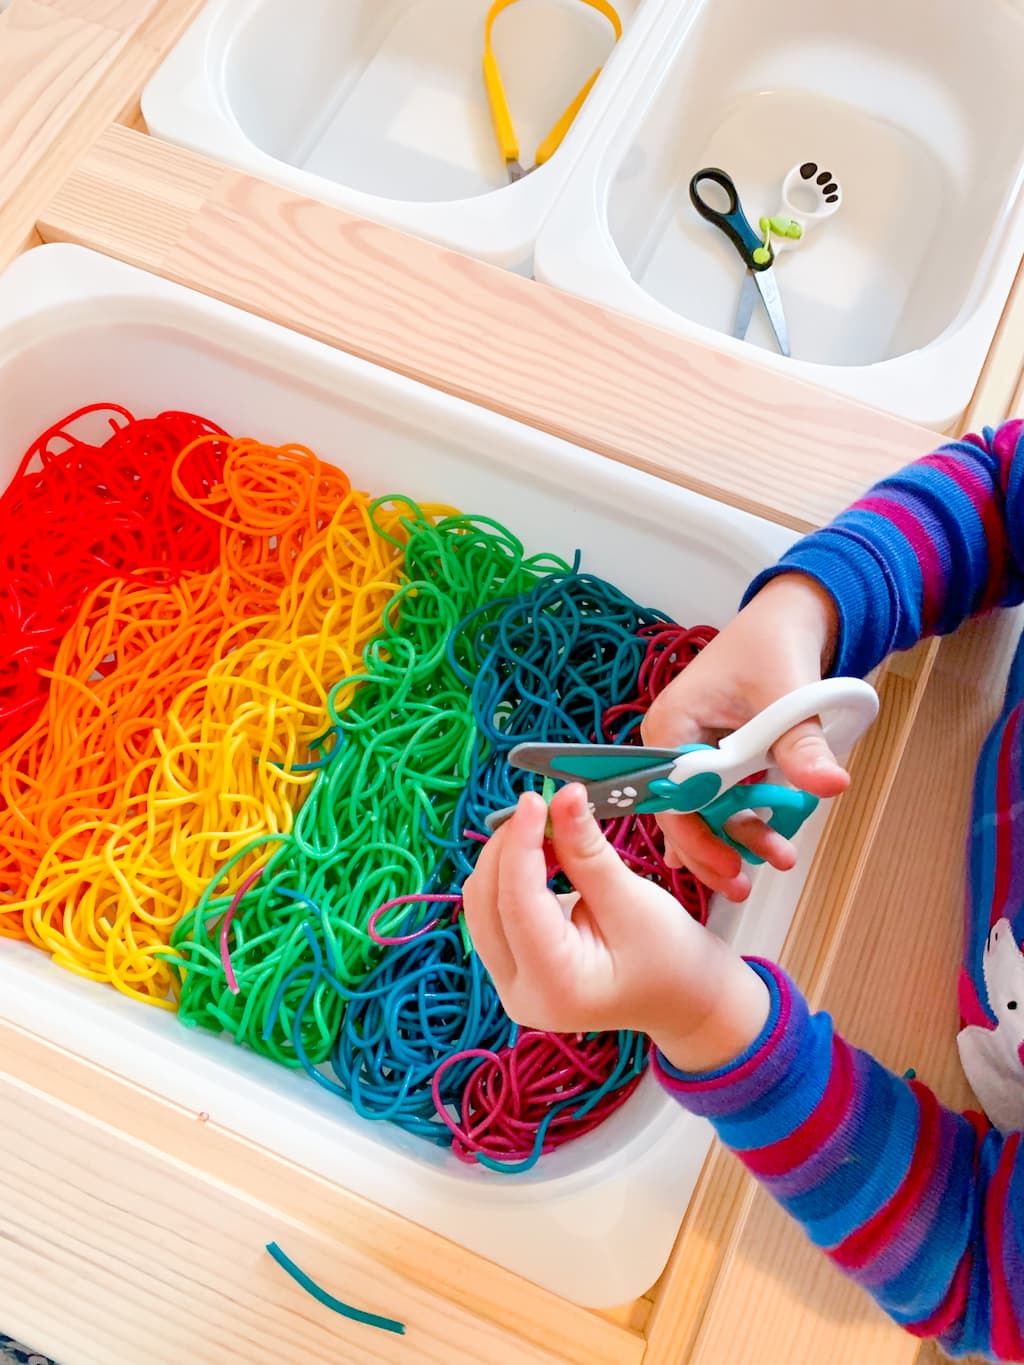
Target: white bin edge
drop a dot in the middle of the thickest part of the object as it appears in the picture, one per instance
(597, 1234)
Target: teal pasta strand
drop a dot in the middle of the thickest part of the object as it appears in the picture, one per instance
(328, 1300)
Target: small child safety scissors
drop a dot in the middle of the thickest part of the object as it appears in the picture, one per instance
(809, 196)
(504, 128)
(699, 778)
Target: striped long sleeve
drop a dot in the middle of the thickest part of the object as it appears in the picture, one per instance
(924, 1207)
(938, 542)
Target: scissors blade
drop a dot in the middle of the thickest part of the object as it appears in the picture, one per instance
(748, 297)
(769, 286)
(617, 776)
(589, 763)
(612, 800)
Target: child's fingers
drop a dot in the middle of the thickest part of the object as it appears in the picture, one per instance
(717, 865)
(805, 758)
(764, 842)
(585, 855)
(531, 917)
(483, 916)
(735, 888)
(694, 843)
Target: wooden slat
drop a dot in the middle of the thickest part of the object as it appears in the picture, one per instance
(664, 403)
(998, 391)
(123, 1127)
(633, 1316)
(67, 69)
(111, 1254)
(118, 208)
(687, 1288)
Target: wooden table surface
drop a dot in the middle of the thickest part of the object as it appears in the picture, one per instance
(877, 932)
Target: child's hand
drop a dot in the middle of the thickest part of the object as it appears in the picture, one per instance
(629, 956)
(783, 640)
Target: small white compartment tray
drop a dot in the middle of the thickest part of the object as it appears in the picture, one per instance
(917, 108)
(379, 106)
(596, 1220)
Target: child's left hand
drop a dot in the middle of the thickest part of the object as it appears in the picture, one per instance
(628, 957)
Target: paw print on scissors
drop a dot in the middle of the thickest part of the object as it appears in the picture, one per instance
(820, 182)
(623, 797)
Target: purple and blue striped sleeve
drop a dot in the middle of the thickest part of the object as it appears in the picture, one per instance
(938, 542)
(922, 1206)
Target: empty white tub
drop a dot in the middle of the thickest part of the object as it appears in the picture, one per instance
(596, 1220)
(916, 108)
(379, 106)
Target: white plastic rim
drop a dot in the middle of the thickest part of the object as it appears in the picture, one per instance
(594, 1222)
(895, 300)
(378, 106)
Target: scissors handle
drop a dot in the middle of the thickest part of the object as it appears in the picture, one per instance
(845, 706)
(786, 810)
(501, 114)
(733, 221)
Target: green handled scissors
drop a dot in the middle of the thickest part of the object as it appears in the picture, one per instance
(701, 779)
(756, 254)
(809, 196)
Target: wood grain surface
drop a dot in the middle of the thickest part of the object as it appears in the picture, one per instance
(81, 1115)
(67, 69)
(666, 404)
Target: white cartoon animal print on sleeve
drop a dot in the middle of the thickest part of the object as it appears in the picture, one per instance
(993, 1058)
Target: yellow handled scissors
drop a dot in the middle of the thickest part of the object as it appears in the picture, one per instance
(508, 142)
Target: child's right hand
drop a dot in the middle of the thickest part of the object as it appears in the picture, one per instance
(784, 639)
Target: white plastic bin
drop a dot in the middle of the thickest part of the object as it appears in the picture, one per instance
(594, 1221)
(378, 106)
(917, 108)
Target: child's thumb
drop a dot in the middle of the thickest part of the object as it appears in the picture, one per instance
(807, 761)
(584, 854)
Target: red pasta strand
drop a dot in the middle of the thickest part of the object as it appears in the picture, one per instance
(91, 500)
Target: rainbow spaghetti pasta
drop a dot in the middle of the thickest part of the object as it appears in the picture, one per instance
(401, 749)
(251, 731)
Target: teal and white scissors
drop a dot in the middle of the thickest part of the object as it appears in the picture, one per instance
(701, 779)
(809, 196)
